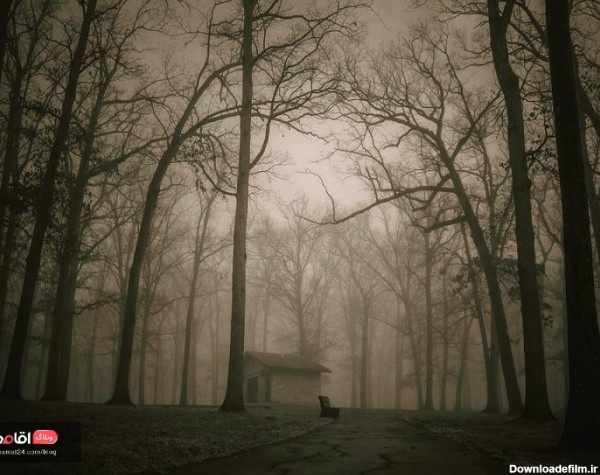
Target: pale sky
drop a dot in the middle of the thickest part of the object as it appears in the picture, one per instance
(309, 153)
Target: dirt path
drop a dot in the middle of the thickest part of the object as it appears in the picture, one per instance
(367, 443)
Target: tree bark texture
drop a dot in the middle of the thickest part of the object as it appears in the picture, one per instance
(121, 394)
(201, 231)
(464, 360)
(492, 405)
(536, 396)
(62, 316)
(8, 213)
(515, 402)
(4, 16)
(429, 327)
(234, 394)
(11, 387)
(364, 355)
(582, 418)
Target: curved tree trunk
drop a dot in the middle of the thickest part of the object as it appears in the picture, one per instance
(121, 394)
(144, 346)
(536, 394)
(515, 403)
(582, 419)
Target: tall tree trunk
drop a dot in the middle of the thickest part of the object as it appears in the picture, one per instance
(582, 419)
(44, 340)
(496, 384)
(444, 377)
(467, 391)
(492, 405)
(590, 187)
(565, 339)
(462, 369)
(193, 383)
(364, 357)
(4, 16)
(157, 363)
(5, 269)
(185, 370)
(11, 387)
(587, 109)
(11, 138)
(515, 403)
(201, 230)
(234, 395)
(429, 328)
(399, 360)
(144, 346)
(265, 333)
(536, 394)
(121, 393)
(216, 338)
(176, 359)
(303, 347)
(62, 317)
(354, 366)
(90, 370)
(414, 351)
(8, 212)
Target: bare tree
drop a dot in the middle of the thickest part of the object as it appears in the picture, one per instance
(582, 419)
(188, 124)
(300, 281)
(395, 95)
(11, 386)
(24, 69)
(112, 62)
(536, 396)
(366, 289)
(202, 251)
(285, 62)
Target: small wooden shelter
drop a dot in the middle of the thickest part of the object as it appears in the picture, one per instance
(281, 378)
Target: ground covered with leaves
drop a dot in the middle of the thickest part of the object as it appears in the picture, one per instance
(156, 439)
(511, 440)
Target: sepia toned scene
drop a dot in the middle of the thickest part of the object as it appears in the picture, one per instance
(299, 236)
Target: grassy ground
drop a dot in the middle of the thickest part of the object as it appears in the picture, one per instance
(511, 440)
(154, 439)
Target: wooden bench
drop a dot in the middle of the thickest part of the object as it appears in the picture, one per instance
(327, 410)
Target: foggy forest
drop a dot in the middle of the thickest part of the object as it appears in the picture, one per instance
(405, 192)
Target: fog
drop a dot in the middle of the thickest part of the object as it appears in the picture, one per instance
(395, 233)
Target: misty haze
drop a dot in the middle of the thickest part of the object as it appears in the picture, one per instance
(310, 236)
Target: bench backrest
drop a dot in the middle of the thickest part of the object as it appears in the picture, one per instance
(324, 400)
